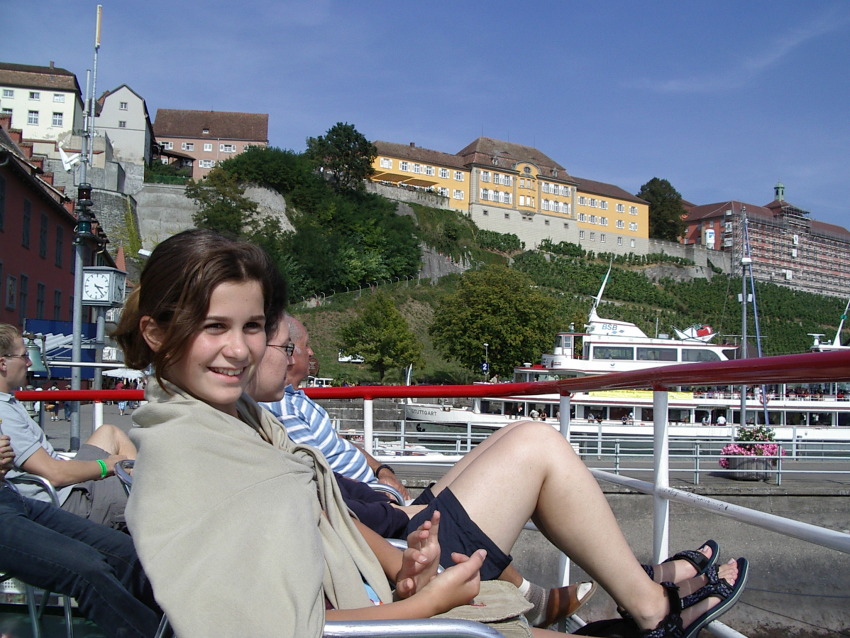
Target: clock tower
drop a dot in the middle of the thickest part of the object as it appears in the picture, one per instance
(103, 286)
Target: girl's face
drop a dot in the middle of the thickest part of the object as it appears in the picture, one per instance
(227, 348)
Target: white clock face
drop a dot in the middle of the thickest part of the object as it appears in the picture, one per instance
(96, 286)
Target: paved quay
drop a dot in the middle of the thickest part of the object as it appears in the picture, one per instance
(795, 589)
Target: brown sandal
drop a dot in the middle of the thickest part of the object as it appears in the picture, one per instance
(566, 601)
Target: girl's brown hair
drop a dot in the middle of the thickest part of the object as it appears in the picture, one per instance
(175, 289)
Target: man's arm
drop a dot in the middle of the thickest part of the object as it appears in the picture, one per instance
(384, 473)
(7, 456)
(61, 472)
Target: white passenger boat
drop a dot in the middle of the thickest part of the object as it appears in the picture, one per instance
(798, 411)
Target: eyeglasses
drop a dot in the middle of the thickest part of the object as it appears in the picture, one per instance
(289, 348)
(24, 356)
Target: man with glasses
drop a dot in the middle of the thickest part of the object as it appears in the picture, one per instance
(86, 485)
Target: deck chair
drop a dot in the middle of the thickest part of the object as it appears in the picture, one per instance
(428, 627)
(34, 609)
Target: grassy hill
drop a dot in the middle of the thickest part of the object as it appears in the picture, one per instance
(786, 316)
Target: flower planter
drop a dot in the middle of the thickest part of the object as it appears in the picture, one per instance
(749, 468)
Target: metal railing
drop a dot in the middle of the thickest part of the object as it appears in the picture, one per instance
(809, 368)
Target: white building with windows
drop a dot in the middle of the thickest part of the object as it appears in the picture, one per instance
(44, 101)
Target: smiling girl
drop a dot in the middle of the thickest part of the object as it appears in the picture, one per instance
(243, 532)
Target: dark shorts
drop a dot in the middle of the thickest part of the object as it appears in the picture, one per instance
(99, 501)
(459, 533)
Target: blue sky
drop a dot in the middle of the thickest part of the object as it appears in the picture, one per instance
(721, 98)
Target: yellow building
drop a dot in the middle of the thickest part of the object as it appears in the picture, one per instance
(511, 188)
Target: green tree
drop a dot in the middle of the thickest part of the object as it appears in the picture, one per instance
(666, 211)
(380, 334)
(500, 307)
(344, 155)
(222, 205)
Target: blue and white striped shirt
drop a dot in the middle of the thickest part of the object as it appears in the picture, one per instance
(308, 423)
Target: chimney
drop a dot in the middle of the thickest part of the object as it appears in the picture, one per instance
(52, 64)
(413, 145)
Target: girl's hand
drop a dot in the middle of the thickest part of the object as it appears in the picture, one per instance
(421, 559)
(458, 584)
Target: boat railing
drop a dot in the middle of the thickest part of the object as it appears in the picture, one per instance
(802, 368)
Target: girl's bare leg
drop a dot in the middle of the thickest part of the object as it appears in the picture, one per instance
(113, 440)
(528, 470)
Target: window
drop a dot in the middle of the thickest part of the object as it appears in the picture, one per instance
(32, 118)
(485, 212)
(57, 119)
(522, 200)
(122, 106)
(429, 170)
(227, 148)
(546, 222)
(582, 200)
(417, 168)
(603, 221)
(11, 292)
(35, 95)
(8, 93)
(621, 208)
(443, 191)
(42, 236)
(458, 176)
(581, 234)
(25, 224)
(167, 146)
(633, 226)
(122, 123)
(602, 237)
(59, 98)
(386, 162)
(485, 176)
(657, 354)
(507, 215)
(593, 219)
(207, 147)
(39, 300)
(403, 166)
(6, 111)
(206, 131)
(619, 241)
(444, 173)
(188, 146)
(458, 194)
(582, 217)
(566, 226)
(60, 245)
(57, 305)
(23, 294)
(621, 223)
(632, 210)
(206, 163)
(592, 236)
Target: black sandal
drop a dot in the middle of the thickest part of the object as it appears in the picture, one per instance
(696, 558)
(671, 625)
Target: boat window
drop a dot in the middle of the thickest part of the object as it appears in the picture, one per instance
(614, 352)
(656, 354)
(700, 355)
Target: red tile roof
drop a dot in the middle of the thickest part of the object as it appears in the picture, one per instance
(506, 155)
(38, 77)
(607, 190)
(220, 125)
(418, 154)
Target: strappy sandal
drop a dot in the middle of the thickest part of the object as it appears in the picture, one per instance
(671, 624)
(696, 558)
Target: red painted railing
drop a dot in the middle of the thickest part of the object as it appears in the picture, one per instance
(816, 367)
